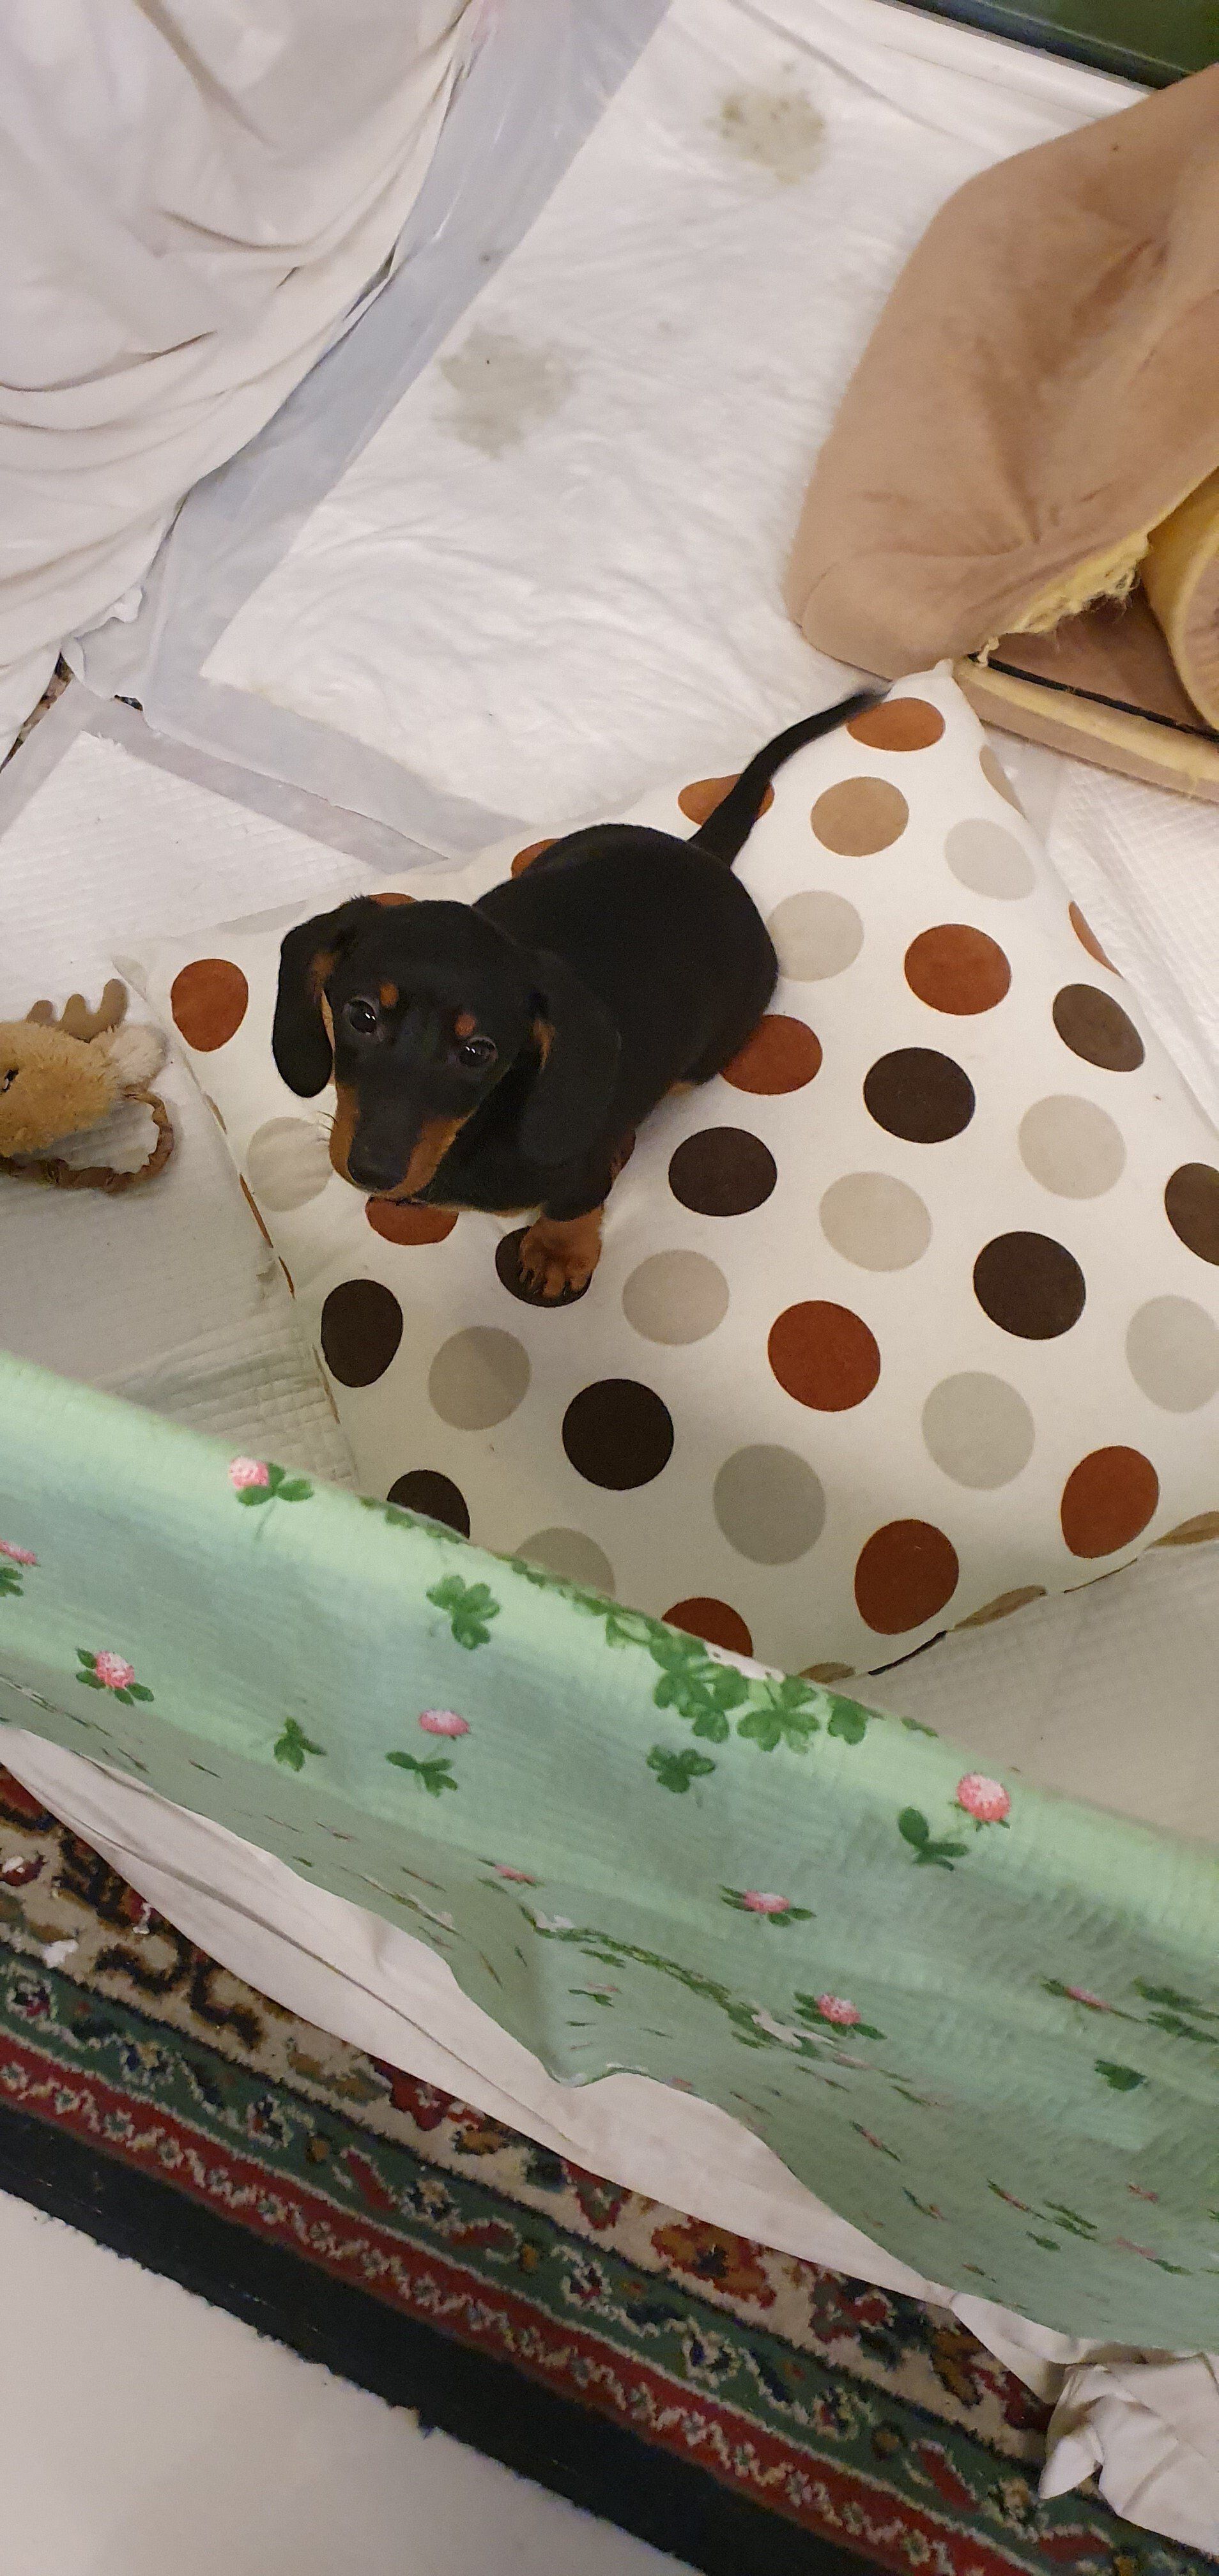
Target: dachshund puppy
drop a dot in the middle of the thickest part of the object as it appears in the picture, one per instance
(499, 1054)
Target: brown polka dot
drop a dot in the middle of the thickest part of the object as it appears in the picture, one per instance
(996, 776)
(288, 1276)
(1087, 938)
(525, 858)
(393, 896)
(919, 1094)
(255, 1210)
(860, 816)
(361, 1330)
(715, 1621)
(1003, 1606)
(828, 1673)
(208, 1000)
(1191, 1204)
(955, 968)
(396, 1222)
(1195, 1533)
(698, 801)
(824, 1356)
(618, 1434)
(904, 1575)
(901, 724)
(1096, 1027)
(1029, 1285)
(508, 1267)
(210, 1103)
(723, 1171)
(782, 1055)
(1107, 1500)
(425, 1490)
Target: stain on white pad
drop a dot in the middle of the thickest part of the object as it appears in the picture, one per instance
(553, 576)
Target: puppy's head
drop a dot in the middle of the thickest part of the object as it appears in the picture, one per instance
(419, 1010)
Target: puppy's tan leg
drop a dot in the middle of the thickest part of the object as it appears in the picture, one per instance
(559, 1254)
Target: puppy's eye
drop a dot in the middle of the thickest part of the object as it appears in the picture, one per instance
(362, 1017)
(477, 1053)
(8, 1079)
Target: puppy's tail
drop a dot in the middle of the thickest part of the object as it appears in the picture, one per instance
(726, 831)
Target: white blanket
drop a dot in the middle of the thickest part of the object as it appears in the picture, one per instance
(192, 199)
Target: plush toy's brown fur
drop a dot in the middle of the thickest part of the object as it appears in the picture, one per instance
(61, 1077)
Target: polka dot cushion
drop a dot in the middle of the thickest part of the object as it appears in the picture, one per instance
(908, 1318)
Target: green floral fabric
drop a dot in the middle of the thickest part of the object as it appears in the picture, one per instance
(980, 2021)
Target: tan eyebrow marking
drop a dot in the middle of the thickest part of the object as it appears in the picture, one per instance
(465, 1024)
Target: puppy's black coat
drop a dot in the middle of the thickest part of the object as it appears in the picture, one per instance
(497, 1055)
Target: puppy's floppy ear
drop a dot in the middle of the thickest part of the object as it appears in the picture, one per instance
(581, 1045)
(307, 960)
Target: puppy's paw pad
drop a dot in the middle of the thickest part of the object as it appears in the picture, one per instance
(536, 1277)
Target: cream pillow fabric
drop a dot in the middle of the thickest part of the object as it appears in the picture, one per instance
(909, 1318)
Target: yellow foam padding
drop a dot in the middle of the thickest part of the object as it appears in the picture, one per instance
(1109, 737)
(1181, 578)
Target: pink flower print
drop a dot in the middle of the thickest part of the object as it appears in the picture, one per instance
(247, 1472)
(112, 1672)
(442, 1721)
(17, 1555)
(1124, 2246)
(1140, 2194)
(985, 1800)
(756, 1903)
(1083, 1995)
(520, 1877)
(837, 2008)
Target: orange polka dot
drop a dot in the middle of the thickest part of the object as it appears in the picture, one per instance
(1003, 1606)
(901, 724)
(905, 1574)
(215, 1113)
(782, 1055)
(828, 1673)
(824, 1356)
(395, 1222)
(958, 969)
(255, 1211)
(209, 999)
(716, 1622)
(1087, 938)
(1107, 1501)
(698, 801)
(860, 816)
(391, 897)
(525, 858)
(1196, 1533)
(288, 1276)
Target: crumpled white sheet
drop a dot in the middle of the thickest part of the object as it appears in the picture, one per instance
(1150, 2425)
(193, 198)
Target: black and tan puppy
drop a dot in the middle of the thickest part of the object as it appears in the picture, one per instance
(499, 1054)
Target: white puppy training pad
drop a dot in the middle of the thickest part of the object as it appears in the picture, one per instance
(553, 575)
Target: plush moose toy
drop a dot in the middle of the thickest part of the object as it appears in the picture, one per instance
(75, 1108)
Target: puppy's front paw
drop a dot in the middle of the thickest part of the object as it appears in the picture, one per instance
(553, 1266)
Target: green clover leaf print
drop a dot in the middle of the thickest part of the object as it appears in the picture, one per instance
(468, 1607)
(110, 1672)
(259, 1480)
(849, 1723)
(783, 1712)
(1122, 2079)
(914, 1829)
(292, 1746)
(777, 1911)
(14, 1562)
(434, 1775)
(675, 1771)
(693, 1685)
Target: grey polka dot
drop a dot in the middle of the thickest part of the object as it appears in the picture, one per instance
(769, 1505)
(989, 860)
(1071, 1147)
(569, 1553)
(875, 1221)
(978, 1430)
(287, 1163)
(675, 1297)
(816, 934)
(478, 1377)
(1173, 1350)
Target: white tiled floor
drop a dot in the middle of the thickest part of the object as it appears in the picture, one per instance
(143, 2433)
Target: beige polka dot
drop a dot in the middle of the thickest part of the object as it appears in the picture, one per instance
(996, 776)
(828, 1673)
(1071, 1147)
(1173, 1350)
(287, 1163)
(875, 1221)
(567, 1552)
(978, 1430)
(478, 1377)
(859, 816)
(769, 1505)
(990, 860)
(1199, 1532)
(1003, 1606)
(675, 1297)
(816, 935)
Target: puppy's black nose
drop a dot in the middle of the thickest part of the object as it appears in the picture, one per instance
(374, 1170)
